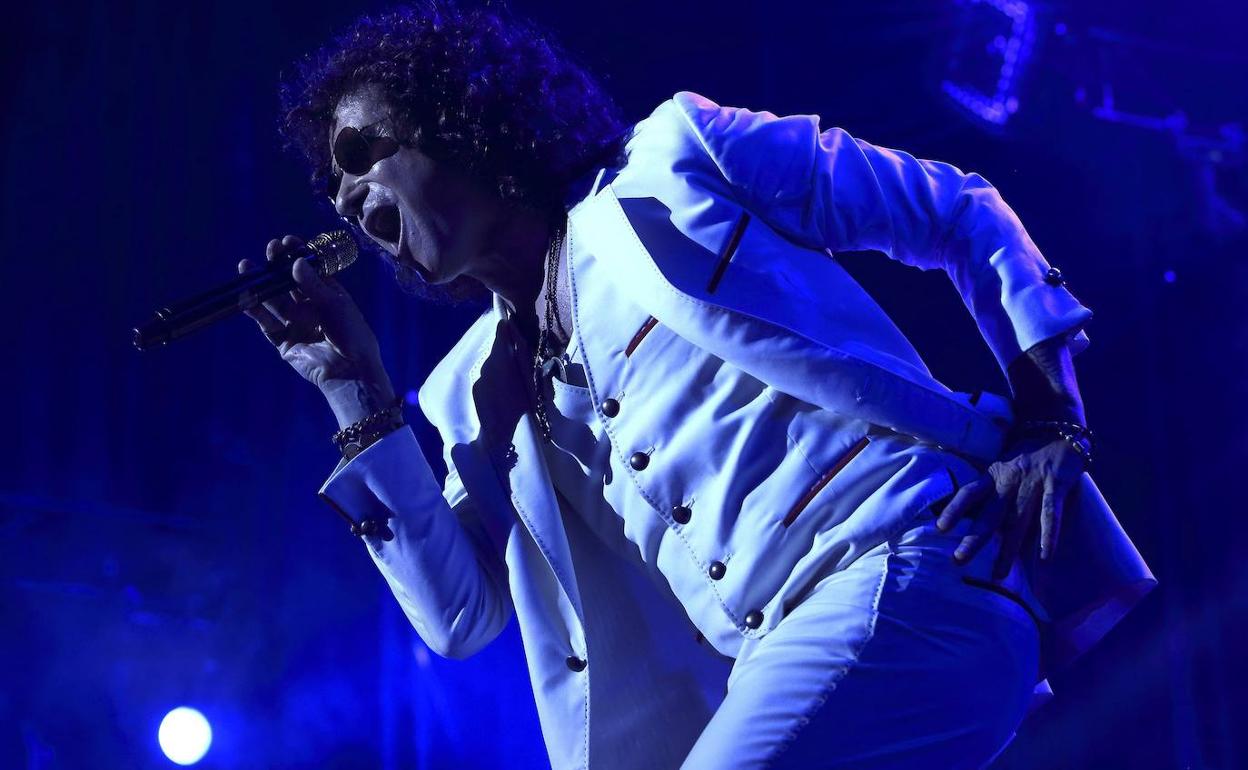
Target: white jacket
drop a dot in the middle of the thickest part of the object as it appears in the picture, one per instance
(722, 228)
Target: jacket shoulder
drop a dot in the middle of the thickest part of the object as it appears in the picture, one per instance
(768, 156)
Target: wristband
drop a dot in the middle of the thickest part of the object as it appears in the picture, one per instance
(359, 435)
(1080, 437)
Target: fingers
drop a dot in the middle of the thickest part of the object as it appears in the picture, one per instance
(1016, 528)
(302, 319)
(981, 531)
(281, 305)
(316, 310)
(1050, 518)
(963, 500)
(334, 307)
(256, 311)
(299, 324)
(314, 287)
(270, 324)
(276, 248)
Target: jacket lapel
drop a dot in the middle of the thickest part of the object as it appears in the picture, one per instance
(499, 425)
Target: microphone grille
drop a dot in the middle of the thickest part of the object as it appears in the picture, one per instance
(335, 251)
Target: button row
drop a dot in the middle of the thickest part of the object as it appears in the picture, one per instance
(639, 461)
(681, 514)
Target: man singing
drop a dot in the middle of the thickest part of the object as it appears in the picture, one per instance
(738, 521)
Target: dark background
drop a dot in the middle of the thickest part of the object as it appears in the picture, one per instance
(161, 542)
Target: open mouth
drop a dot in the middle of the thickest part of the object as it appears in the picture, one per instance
(383, 224)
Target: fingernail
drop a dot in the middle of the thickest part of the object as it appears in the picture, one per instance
(959, 554)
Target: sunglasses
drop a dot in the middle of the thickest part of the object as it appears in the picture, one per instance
(355, 152)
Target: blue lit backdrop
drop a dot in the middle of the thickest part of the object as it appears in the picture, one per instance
(161, 543)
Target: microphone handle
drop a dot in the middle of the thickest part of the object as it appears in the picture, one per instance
(181, 318)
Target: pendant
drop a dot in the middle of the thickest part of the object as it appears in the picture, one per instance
(559, 362)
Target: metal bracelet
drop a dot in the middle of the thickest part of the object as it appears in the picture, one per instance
(359, 428)
(1080, 437)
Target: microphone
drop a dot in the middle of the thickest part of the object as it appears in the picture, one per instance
(327, 253)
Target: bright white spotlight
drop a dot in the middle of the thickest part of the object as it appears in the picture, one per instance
(184, 735)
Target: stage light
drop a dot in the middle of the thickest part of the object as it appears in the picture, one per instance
(184, 735)
(991, 46)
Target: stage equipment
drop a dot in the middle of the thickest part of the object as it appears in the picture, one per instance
(184, 735)
(991, 46)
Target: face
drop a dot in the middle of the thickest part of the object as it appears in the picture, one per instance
(428, 217)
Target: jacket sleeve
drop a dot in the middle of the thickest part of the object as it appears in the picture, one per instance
(440, 564)
(830, 191)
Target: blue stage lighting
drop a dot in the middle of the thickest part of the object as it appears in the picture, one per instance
(991, 46)
(184, 735)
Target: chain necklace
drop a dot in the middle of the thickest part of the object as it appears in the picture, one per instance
(544, 361)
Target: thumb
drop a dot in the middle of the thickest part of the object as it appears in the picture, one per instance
(343, 325)
(315, 287)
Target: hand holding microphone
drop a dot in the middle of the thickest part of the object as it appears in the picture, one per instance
(328, 253)
(319, 330)
(304, 312)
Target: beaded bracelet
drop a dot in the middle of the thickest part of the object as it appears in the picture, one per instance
(1080, 437)
(358, 435)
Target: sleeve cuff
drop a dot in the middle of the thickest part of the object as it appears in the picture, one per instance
(369, 484)
(1038, 306)
(1042, 311)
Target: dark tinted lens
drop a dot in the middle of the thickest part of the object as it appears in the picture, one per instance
(381, 147)
(352, 152)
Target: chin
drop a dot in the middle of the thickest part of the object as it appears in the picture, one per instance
(457, 291)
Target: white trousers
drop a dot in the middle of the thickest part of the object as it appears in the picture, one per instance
(893, 662)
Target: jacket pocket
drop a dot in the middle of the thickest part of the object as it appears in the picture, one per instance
(827, 476)
(640, 335)
(726, 254)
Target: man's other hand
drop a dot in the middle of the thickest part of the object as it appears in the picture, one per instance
(1034, 475)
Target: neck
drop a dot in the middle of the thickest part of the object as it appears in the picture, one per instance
(513, 262)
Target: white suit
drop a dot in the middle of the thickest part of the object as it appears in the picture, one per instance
(719, 233)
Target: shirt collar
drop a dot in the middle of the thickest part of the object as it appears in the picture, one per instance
(500, 308)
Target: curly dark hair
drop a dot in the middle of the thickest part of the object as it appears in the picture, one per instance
(479, 88)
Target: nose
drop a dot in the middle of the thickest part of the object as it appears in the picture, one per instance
(350, 199)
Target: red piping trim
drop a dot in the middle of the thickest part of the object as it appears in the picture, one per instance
(640, 335)
(824, 479)
(729, 249)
